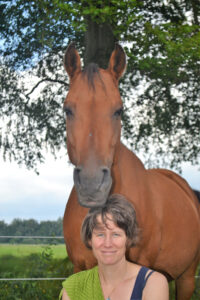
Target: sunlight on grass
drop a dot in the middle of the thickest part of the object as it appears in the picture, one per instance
(59, 251)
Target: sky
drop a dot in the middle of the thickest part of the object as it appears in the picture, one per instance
(25, 195)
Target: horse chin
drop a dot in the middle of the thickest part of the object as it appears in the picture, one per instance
(94, 200)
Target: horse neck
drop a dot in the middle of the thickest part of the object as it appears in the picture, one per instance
(126, 160)
(130, 179)
(127, 169)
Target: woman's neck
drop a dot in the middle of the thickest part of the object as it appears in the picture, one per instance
(110, 274)
(113, 277)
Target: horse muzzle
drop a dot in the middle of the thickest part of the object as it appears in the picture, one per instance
(92, 187)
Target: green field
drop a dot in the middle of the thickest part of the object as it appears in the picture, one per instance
(59, 251)
(33, 261)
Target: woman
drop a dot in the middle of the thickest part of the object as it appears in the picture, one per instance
(109, 231)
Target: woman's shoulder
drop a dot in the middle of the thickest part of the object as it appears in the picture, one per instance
(156, 286)
(155, 276)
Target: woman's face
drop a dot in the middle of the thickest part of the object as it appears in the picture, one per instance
(108, 242)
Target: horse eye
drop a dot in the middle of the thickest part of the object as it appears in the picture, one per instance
(68, 112)
(118, 112)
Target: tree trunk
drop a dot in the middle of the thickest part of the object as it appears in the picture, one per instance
(99, 43)
(195, 10)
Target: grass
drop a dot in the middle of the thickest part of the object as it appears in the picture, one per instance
(59, 251)
(33, 261)
(21, 260)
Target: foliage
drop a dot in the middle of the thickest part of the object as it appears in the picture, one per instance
(31, 227)
(41, 265)
(160, 88)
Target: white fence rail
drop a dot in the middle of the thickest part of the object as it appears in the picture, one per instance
(30, 237)
(31, 279)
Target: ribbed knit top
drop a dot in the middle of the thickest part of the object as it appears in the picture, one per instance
(84, 285)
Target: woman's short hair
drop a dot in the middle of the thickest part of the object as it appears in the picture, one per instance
(123, 215)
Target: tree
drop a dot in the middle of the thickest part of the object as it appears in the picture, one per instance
(33, 228)
(160, 88)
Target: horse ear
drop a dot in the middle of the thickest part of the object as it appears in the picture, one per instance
(72, 62)
(117, 63)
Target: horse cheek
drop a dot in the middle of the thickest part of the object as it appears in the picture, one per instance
(71, 151)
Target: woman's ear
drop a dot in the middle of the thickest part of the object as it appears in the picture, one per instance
(128, 244)
(90, 244)
(117, 63)
(72, 61)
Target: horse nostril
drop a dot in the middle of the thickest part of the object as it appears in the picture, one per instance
(106, 172)
(77, 172)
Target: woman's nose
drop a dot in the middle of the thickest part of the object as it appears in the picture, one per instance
(108, 241)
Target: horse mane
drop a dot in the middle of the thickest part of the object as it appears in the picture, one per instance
(91, 71)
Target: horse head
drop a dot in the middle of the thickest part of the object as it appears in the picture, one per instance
(93, 109)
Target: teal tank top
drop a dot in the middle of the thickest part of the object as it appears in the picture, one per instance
(84, 285)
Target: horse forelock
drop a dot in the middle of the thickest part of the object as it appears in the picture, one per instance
(91, 72)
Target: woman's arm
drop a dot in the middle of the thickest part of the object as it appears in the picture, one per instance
(156, 288)
(65, 296)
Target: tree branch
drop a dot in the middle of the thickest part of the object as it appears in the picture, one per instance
(46, 79)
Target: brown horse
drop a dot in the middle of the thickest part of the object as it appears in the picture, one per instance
(167, 209)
